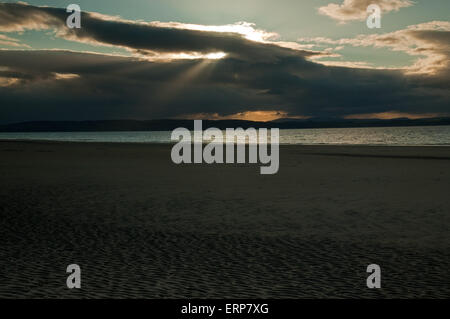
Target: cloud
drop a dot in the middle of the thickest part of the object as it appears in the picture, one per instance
(260, 116)
(8, 41)
(429, 42)
(348, 64)
(351, 10)
(154, 40)
(112, 87)
(394, 115)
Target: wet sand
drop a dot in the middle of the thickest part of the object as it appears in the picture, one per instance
(142, 227)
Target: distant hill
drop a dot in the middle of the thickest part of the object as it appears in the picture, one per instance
(166, 125)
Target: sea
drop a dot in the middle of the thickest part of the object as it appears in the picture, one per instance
(396, 136)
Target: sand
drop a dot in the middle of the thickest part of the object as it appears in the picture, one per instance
(142, 227)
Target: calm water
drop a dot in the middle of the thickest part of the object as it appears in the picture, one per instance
(427, 135)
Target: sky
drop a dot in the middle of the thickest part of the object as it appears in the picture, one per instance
(207, 59)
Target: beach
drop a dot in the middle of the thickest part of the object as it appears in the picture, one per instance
(140, 226)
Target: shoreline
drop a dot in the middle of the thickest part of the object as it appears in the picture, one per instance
(44, 141)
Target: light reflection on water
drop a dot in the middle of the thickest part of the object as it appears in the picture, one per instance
(418, 135)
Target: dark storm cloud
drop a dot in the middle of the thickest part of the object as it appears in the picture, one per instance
(116, 87)
(64, 85)
(144, 38)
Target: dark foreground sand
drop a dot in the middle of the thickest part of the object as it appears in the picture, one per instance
(142, 227)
